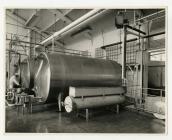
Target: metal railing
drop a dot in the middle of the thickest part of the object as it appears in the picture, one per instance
(145, 101)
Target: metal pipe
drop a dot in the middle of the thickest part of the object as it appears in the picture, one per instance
(150, 15)
(152, 19)
(155, 34)
(95, 91)
(124, 54)
(19, 35)
(134, 39)
(24, 41)
(76, 24)
(72, 104)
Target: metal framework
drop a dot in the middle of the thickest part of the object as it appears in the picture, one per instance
(135, 70)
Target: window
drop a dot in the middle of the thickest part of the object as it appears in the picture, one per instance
(157, 55)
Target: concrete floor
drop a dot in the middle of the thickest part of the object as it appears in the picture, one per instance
(51, 121)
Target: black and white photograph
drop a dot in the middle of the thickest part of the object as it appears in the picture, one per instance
(85, 70)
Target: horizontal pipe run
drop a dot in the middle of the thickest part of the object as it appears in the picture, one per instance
(20, 35)
(117, 43)
(155, 34)
(24, 42)
(95, 91)
(122, 94)
(11, 51)
(72, 104)
(63, 52)
(113, 44)
(150, 15)
(134, 39)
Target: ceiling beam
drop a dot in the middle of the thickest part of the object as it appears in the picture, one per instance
(14, 17)
(63, 17)
(37, 29)
(57, 19)
(33, 18)
(13, 11)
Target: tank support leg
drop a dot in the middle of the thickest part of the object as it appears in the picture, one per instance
(59, 101)
(87, 114)
(117, 108)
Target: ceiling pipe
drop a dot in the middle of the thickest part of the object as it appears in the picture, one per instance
(74, 25)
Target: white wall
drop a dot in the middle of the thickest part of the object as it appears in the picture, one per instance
(103, 32)
(103, 28)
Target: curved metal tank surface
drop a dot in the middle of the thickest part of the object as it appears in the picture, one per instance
(57, 72)
(28, 69)
(25, 74)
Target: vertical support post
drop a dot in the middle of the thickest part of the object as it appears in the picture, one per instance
(124, 54)
(31, 108)
(145, 70)
(117, 109)
(141, 72)
(59, 101)
(134, 17)
(145, 60)
(23, 109)
(87, 114)
(30, 104)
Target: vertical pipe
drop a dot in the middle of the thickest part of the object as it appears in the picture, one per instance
(141, 71)
(124, 53)
(9, 66)
(10, 45)
(19, 67)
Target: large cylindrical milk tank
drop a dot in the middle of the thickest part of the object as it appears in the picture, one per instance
(58, 71)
